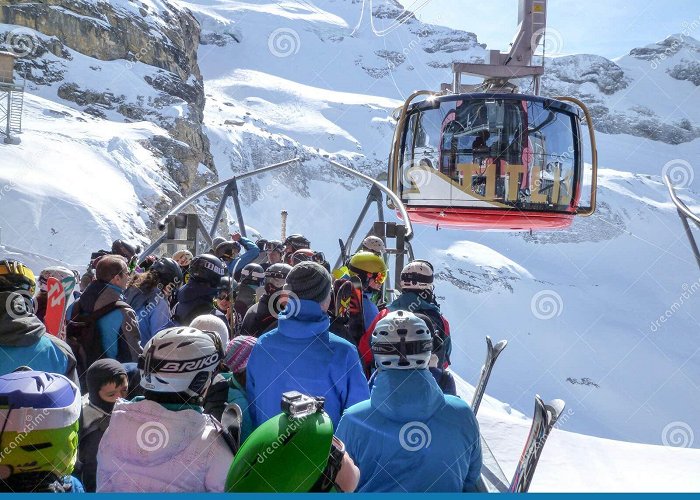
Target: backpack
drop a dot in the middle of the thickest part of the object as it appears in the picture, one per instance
(84, 339)
(442, 342)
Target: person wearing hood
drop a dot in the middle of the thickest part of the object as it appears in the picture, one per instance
(206, 275)
(163, 442)
(410, 436)
(302, 355)
(24, 340)
(107, 382)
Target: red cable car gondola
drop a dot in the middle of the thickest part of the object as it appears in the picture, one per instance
(492, 158)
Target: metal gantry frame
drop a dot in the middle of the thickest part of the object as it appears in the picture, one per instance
(686, 215)
(177, 219)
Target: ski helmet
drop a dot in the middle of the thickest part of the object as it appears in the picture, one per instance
(368, 265)
(218, 240)
(417, 275)
(58, 272)
(261, 244)
(288, 454)
(180, 360)
(207, 268)
(401, 341)
(374, 244)
(126, 250)
(168, 270)
(302, 255)
(252, 274)
(183, 257)
(297, 242)
(276, 275)
(15, 276)
(40, 413)
(274, 246)
(227, 249)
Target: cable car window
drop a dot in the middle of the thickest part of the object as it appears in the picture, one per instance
(492, 152)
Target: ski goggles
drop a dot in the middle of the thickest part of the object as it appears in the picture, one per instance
(274, 246)
(380, 278)
(403, 349)
(319, 257)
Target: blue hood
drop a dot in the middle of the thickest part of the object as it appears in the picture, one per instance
(411, 301)
(303, 319)
(419, 396)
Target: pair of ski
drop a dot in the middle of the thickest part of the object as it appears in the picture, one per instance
(59, 297)
(543, 420)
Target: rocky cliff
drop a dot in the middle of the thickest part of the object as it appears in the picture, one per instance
(120, 60)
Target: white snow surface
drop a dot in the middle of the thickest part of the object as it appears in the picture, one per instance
(604, 315)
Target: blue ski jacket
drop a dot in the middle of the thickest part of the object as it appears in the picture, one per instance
(152, 311)
(302, 355)
(410, 437)
(25, 342)
(251, 253)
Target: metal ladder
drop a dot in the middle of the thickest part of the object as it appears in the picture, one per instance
(16, 99)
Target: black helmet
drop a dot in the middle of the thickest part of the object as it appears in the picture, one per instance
(168, 270)
(261, 243)
(126, 250)
(207, 268)
(276, 275)
(252, 274)
(226, 249)
(297, 241)
(275, 246)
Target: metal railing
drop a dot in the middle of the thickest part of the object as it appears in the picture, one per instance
(230, 187)
(686, 215)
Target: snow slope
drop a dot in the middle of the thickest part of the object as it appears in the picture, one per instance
(574, 462)
(76, 183)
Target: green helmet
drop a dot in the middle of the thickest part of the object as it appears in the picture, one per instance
(285, 454)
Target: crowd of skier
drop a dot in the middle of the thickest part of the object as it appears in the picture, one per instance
(253, 367)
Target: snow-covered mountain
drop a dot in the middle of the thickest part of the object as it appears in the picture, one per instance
(604, 315)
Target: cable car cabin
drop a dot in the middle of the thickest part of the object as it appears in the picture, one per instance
(489, 161)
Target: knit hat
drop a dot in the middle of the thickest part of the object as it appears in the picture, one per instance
(238, 352)
(210, 323)
(309, 280)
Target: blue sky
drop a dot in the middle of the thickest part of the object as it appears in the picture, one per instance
(604, 27)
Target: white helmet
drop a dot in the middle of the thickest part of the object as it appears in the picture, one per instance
(181, 359)
(183, 257)
(417, 275)
(402, 341)
(374, 244)
(58, 272)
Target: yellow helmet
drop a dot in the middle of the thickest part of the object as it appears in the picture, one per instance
(16, 276)
(368, 265)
